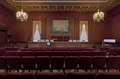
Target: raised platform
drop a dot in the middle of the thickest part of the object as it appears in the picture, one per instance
(61, 44)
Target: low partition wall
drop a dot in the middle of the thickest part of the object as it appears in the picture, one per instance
(61, 44)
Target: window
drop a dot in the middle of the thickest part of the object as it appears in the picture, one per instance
(83, 34)
(36, 31)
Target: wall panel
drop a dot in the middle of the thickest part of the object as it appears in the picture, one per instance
(6, 17)
(114, 23)
(23, 30)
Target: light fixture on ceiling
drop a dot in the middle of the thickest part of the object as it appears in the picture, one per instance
(23, 16)
(99, 15)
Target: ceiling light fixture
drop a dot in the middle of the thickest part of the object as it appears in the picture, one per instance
(23, 16)
(99, 15)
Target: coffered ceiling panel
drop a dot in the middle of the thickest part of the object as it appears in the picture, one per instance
(60, 5)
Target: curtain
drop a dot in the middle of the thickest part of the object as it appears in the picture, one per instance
(36, 30)
(83, 34)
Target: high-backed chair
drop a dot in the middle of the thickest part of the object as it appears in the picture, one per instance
(27, 53)
(113, 62)
(28, 63)
(117, 51)
(112, 51)
(39, 53)
(25, 75)
(85, 53)
(103, 53)
(11, 49)
(2, 52)
(107, 75)
(43, 62)
(47, 53)
(104, 49)
(71, 62)
(85, 62)
(99, 62)
(10, 53)
(66, 53)
(13, 76)
(48, 75)
(2, 75)
(57, 62)
(3, 63)
(78, 75)
(13, 62)
(94, 53)
(75, 53)
(19, 53)
(58, 53)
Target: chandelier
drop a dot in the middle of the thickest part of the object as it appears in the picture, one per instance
(21, 15)
(99, 15)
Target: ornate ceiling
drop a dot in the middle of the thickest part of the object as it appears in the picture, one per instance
(60, 5)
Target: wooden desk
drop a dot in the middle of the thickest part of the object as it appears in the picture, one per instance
(60, 44)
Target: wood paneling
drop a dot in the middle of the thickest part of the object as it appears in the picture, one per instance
(114, 23)
(5, 24)
(23, 30)
(2, 38)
